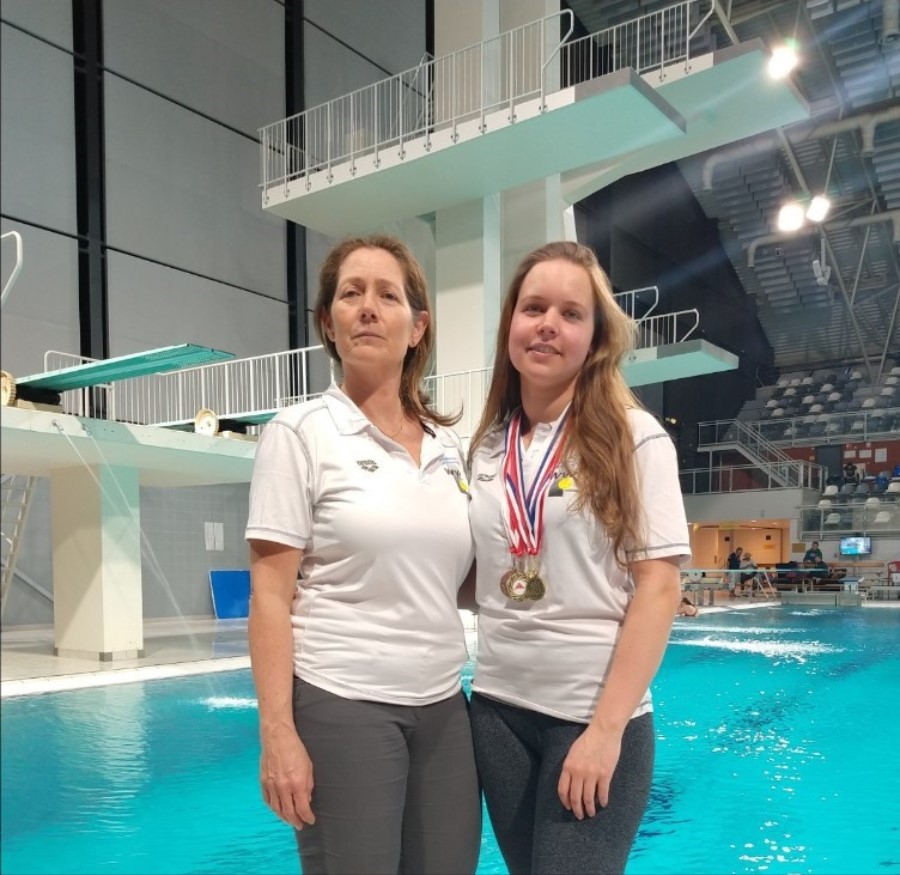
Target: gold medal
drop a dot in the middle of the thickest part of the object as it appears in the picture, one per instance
(505, 580)
(535, 589)
(517, 587)
(514, 585)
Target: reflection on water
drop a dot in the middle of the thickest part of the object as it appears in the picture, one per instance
(759, 762)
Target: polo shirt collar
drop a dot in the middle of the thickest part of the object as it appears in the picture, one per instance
(349, 419)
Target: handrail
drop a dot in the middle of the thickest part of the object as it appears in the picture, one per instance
(665, 329)
(840, 434)
(379, 115)
(696, 30)
(464, 85)
(744, 478)
(734, 432)
(7, 287)
(628, 301)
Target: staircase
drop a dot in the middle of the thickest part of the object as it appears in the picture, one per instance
(736, 436)
(16, 499)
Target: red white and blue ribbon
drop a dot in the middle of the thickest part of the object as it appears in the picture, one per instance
(524, 515)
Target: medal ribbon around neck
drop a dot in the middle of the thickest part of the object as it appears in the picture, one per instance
(525, 511)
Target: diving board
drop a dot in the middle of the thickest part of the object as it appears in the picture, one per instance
(124, 367)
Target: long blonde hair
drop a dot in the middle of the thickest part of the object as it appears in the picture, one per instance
(417, 360)
(599, 443)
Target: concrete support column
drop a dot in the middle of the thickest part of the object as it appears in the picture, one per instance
(95, 518)
(479, 244)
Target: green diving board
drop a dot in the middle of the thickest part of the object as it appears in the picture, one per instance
(256, 417)
(124, 367)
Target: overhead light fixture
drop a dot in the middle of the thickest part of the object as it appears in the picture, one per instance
(784, 59)
(818, 208)
(821, 272)
(791, 217)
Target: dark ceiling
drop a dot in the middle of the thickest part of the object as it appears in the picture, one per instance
(829, 292)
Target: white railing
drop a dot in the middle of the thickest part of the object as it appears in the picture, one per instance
(651, 42)
(824, 428)
(850, 519)
(746, 478)
(239, 389)
(464, 391)
(666, 328)
(440, 94)
(638, 303)
(234, 389)
(91, 400)
(730, 433)
(16, 237)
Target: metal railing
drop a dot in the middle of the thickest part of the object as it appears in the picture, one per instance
(235, 389)
(824, 428)
(650, 42)
(638, 303)
(466, 86)
(729, 434)
(857, 517)
(438, 94)
(747, 478)
(666, 328)
(464, 391)
(89, 401)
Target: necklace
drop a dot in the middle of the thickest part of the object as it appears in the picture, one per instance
(397, 432)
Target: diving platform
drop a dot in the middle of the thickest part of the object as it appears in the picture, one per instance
(46, 387)
(676, 361)
(96, 469)
(511, 111)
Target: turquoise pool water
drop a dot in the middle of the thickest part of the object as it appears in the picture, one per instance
(777, 753)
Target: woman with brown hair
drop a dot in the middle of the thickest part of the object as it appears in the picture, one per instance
(579, 530)
(365, 736)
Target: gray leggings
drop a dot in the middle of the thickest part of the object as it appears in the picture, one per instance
(520, 755)
(395, 786)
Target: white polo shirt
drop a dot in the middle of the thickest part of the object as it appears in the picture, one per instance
(553, 655)
(386, 546)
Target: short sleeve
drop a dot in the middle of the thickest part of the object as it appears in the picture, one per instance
(280, 488)
(662, 522)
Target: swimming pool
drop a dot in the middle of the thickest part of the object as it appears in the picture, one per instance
(777, 735)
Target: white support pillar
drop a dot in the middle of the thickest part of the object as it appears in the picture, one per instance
(479, 244)
(95, 517)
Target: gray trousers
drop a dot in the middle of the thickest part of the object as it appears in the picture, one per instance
(395, 788)
(520, 755)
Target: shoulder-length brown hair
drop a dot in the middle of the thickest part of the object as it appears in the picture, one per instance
(599, 443)
(418, 358)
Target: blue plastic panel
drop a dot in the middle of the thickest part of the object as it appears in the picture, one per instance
(230, 593)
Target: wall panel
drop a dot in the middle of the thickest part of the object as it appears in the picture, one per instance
(37, 132)
(224, 58)
(41, 312)
(151, 305)
(183, 191)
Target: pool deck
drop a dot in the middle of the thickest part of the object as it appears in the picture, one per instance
(180, 647)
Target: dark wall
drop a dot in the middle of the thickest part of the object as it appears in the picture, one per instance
(648, 230)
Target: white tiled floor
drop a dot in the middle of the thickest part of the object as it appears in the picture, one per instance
(171, 647)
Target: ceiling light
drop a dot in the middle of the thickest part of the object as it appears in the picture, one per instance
(784, 59)
(818, 208)
(790, 217)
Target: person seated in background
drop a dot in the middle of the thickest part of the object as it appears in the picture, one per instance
(813, 556)
(687, 608)
(851, 475)
(748, 573)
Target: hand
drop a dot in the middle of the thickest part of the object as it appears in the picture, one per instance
(286, 778)
(587, 771)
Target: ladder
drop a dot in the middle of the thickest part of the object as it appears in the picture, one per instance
(17, 490)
